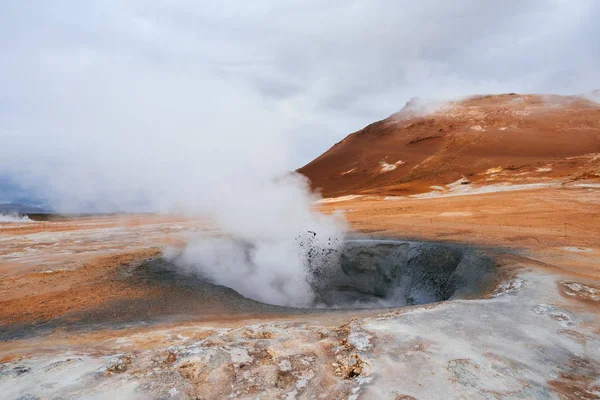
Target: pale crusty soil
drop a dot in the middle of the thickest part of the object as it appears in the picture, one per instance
(70, 271)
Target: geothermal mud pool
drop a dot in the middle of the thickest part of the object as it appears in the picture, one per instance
(477, 324)
(393, 273)
(367, 273)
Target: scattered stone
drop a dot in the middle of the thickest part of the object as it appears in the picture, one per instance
(349, 368)
(351, 340)
(20, 370)
(563, 317)
(581, 291)
(171, 358)
(119, 365)
(510, 287)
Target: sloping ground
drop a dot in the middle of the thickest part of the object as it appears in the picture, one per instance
(485, 140)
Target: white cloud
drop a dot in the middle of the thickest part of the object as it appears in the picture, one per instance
(314, 70)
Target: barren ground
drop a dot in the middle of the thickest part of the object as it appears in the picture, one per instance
(77, 320)
(507, 139)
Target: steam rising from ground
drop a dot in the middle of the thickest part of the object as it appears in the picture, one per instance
(14, 218)
(270, 249)
(227, 160)
(272, 268)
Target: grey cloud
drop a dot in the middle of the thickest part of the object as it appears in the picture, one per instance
(316, 70)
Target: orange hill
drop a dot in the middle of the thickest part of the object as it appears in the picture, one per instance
(495, 139)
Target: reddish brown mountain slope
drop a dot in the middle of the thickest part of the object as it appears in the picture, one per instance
(485, 139)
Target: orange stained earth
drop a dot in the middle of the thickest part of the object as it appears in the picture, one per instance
(558, 228)
(494, 139)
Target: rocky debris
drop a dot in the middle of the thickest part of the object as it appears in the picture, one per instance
(581, 291)
(349, 368)
(20, 370)
(277, 360)
(8, 370)
(510, 287)
(563, 317)
(284, 360)
(118, 364)
(171, 358)
(351, 341)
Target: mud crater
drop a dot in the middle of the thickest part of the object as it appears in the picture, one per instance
(367, 273)
(392, 273)
(362, 274)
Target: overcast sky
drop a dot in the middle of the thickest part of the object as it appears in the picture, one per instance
(302, 74)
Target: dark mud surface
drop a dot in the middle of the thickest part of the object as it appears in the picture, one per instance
(395, 273)
(369, 274)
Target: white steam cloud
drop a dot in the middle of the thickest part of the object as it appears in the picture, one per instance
(271, 259)
(174, 151)
(271, 242)
(202, 107)
(225, 160)
(12, 218)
